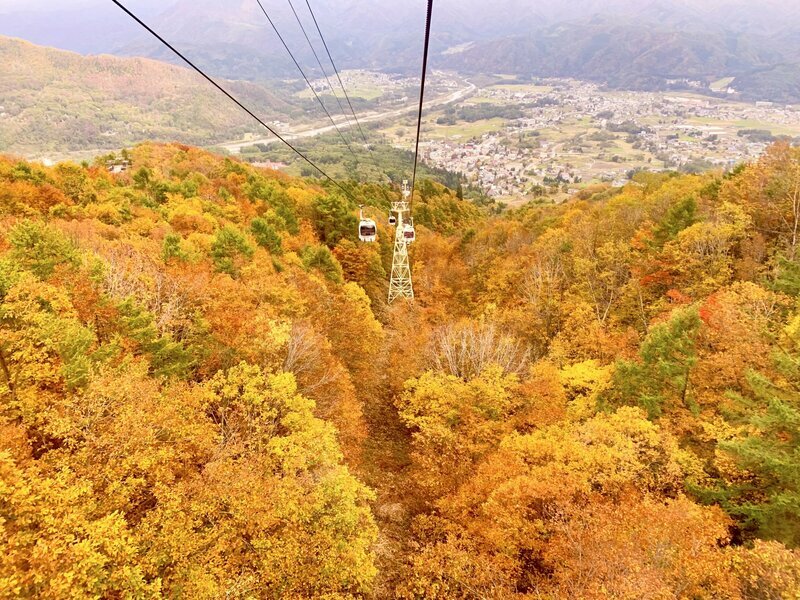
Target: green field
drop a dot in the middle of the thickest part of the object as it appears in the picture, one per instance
(722, 84)
(484, 100)
(775, 128)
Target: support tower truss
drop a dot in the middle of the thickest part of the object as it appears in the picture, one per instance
(401, 285)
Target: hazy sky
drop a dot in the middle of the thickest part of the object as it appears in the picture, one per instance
(40, 5)
(9, 5)
(95, 25)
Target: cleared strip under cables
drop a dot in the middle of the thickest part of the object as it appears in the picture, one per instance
(232, 98)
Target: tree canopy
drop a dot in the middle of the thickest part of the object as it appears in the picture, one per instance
(204, 394)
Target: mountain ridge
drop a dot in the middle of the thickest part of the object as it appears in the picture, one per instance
(732, 37)
(628, 56)
(56, 100)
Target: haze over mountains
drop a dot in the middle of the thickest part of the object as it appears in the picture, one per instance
(623, 43)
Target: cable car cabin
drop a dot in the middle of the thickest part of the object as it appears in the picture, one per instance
(392, 220)
(367, 230)
(409, 234)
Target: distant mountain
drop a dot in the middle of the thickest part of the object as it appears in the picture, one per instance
(780, 83)
(622, 43)
(378, 33)
(234, 39)
(631, 56)
(57, 101)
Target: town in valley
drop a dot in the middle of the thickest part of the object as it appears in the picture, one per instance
(519, 140)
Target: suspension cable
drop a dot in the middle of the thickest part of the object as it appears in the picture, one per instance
(338, 76)
(319, 62)
(305, 77)
(344, 90)
(231, 97)
(421, 98)
(324, 72)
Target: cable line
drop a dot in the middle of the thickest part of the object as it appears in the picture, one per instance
(338, 76)
(422, 96)
(401, 284)
(308, 82)
(333, 91)
(344, 90)
(319, 62)
(231, 97)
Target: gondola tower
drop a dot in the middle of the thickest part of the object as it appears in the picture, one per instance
(400, 285)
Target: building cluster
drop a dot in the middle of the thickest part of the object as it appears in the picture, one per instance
(573, 132)
(497, 168)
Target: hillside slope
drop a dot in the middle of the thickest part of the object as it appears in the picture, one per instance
(626, 55)
(204, 394)
(59, 101)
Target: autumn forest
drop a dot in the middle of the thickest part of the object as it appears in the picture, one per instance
(204, 394)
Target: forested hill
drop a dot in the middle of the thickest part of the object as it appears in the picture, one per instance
(56, 101)
(204, 394)
(635, 56)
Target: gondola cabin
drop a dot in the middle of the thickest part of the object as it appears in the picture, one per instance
(409, 234)
(392, 220)
(368, 231)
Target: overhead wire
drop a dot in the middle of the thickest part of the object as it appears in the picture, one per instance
(421, 97)
(319, 62)
(336, 70)
(305, 77)
(231, 97)
(341, 84)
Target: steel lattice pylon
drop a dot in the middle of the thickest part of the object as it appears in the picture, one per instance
(401, 285)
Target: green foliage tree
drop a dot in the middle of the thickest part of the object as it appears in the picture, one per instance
(770, 500)
(787, 277)
(266, 236)
(172, 248)
(41, 249)
(167, 357)
(230, 250)
(681, 215)
(156, 190)
(662, 374)
(323, 260)
(259, 189)
(333, 219)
